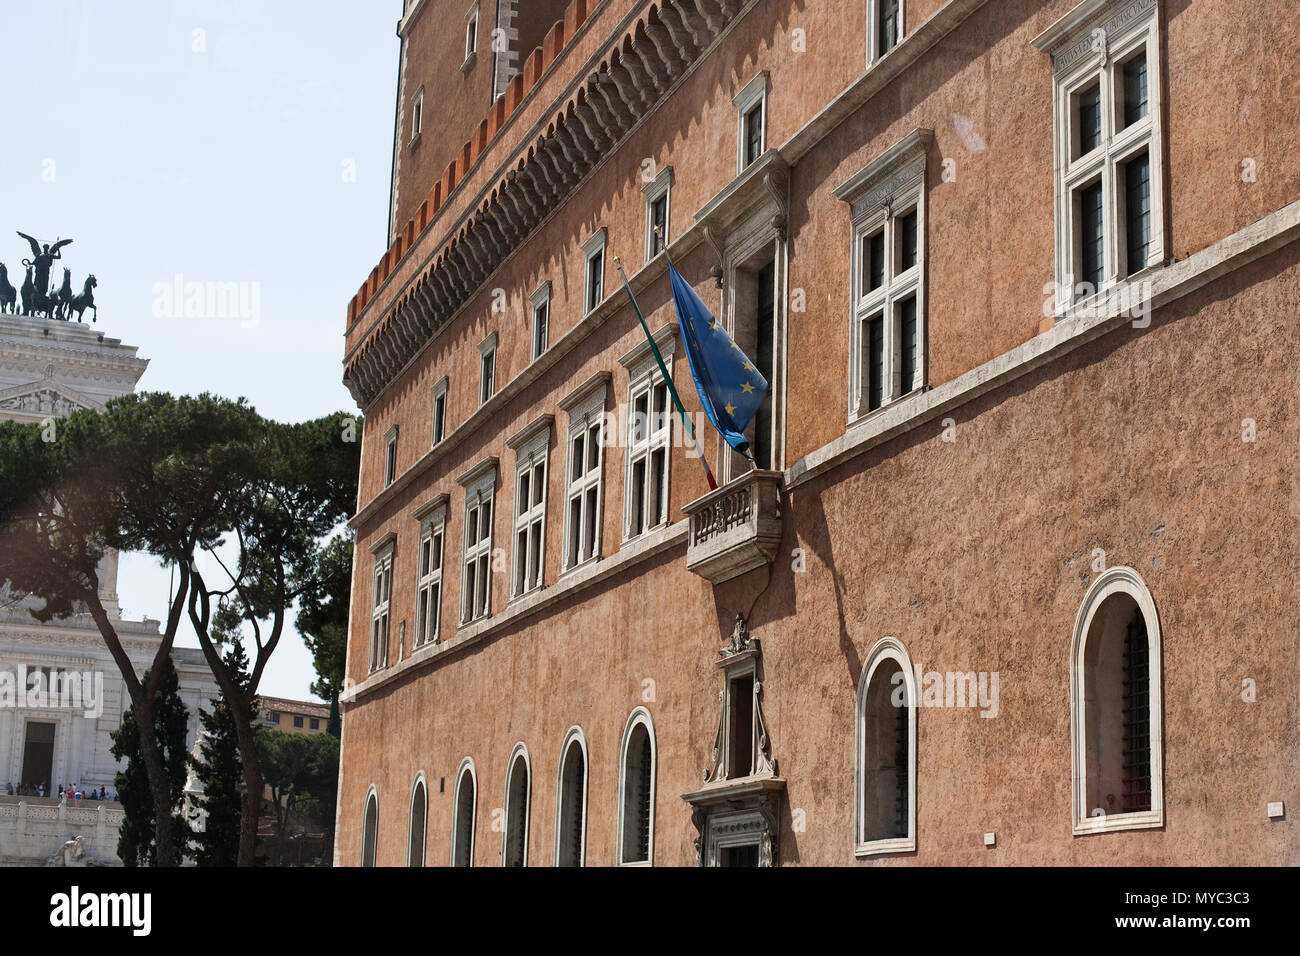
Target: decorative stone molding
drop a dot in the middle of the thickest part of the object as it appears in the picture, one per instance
(732, 811)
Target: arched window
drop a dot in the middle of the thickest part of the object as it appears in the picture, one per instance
(1115, 707)
(514, 848)
(462, 828)
(886, 752)
(370, 829)
(636, 791)
(419, 810)
(571, 801)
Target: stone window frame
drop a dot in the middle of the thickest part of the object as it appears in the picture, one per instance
(884, 191)
(539, 300)
(532, 447)
(594, 246)
(585, 406)
(573, 737)
(466, 766)
(1113, 581)
(487, 369)
(420, 781)
(1091, 44)
(369, 844)
(480, 492)
(438, 430)
(886, 649)
(752, 94)
(874, 53)
(433, 529)
(661, 187)
(471, 38)
(518, 752)
(390, 456)
(417, 118)
(643, 378)
(640, 717)
(381, 594)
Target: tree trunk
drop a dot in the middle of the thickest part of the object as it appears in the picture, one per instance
(254, 784)
(166, 852)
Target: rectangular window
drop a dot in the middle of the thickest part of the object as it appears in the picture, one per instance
(487, 378)
(541, 315)
(1092, 238)
(530, 519)
(390, 456)
(1137, 211)
(1135, 89)
(417, 116)
(297, 721)
(1089, 119)
(428, 601)
(754, 134)
(593, 292)
(751, 121)
(1106, 121)
(906, 339)
(907, 241)
(649, 438)
(740, 726)
(584, 487)
(873, 260)
(888, 25)
(315, 723)
(471, 33)
(382, 594)
(440, 412)
(658, 199)
(658, 225)
(884, 27)
(475, 599)
(876, 362)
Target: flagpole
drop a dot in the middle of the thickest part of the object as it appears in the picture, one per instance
(668, 379)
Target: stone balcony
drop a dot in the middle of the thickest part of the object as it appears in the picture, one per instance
(736, 528)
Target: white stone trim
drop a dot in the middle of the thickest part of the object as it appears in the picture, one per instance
(888, 648)
(466, 765)
(573, 736)
(586, 408)
(487, 387)
(532, 449)
(639, 717)
(1117, 580)
(519, 751)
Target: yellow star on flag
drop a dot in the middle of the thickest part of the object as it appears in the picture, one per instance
(747, 388)
(731, 409)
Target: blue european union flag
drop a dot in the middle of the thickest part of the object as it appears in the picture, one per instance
(730, 387)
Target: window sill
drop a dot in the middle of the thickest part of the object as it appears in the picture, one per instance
(883, 847)
(1143, 820)
(415, 141)
(469, 62)
(876, 412)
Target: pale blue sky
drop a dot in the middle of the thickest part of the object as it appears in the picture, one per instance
(221, 166)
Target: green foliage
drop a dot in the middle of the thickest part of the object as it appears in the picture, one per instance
(135, 844)
(302, 772)
(323, 614)
(220, 772)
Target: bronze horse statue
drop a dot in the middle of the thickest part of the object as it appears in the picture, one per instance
(86, 300)
(8, 294)
(29, 294)
(62, 308)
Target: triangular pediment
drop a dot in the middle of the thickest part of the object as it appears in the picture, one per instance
(43, 399)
